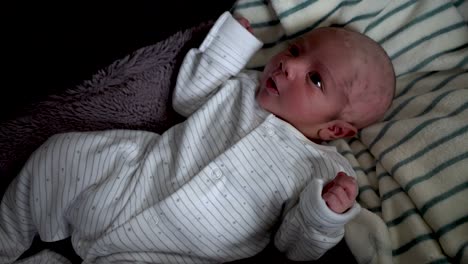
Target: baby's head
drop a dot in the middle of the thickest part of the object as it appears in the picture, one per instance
(329, 84)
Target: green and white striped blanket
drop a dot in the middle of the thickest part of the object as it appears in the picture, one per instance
(413, 166)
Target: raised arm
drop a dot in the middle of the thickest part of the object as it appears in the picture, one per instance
(224, 52)
(316, 223)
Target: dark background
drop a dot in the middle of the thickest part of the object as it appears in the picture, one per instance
(49, 47)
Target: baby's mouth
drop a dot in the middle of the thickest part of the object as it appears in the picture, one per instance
(271, 86)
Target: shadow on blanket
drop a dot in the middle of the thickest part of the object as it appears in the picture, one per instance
(132, 93)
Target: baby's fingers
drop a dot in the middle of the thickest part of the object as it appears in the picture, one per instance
(348, 183)
(332, 202)
(337, 199)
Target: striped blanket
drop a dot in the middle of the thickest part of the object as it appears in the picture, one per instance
(413, 166)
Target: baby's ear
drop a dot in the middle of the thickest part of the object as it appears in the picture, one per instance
(337, 129)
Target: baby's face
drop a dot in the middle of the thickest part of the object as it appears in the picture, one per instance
(308, 83)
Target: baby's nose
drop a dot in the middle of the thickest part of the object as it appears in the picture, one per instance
(288, 69)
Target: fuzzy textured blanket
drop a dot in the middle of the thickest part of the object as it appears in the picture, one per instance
(132, 93)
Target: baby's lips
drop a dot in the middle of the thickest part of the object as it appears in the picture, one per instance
(271, 85)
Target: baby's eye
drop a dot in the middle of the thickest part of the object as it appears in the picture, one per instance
(316, 79)
(293, 50)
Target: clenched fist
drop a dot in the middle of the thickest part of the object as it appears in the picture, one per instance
(340, 193)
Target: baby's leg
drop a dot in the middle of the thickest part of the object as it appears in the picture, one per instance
(17, 228)
(59, 179)
(23, 210)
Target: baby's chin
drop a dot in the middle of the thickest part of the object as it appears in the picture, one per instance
(259, 98)
(264, 101)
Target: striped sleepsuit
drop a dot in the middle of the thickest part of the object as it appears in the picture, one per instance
(208, 190)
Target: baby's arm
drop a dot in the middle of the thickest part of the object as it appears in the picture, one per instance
(224, 52)
(315, 224)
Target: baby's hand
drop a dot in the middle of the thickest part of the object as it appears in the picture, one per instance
(244, 22)
(340, 193)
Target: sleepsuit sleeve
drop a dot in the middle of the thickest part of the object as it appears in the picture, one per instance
(310, 228)
(223, 54)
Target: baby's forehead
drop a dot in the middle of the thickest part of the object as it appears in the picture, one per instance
(337, 45)
(343, 48)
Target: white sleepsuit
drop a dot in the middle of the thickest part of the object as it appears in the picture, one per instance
(208, 190)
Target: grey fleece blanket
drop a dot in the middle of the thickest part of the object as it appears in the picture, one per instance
(131, 93)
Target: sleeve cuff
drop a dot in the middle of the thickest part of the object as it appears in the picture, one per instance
(316, 212)
(229, 43)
